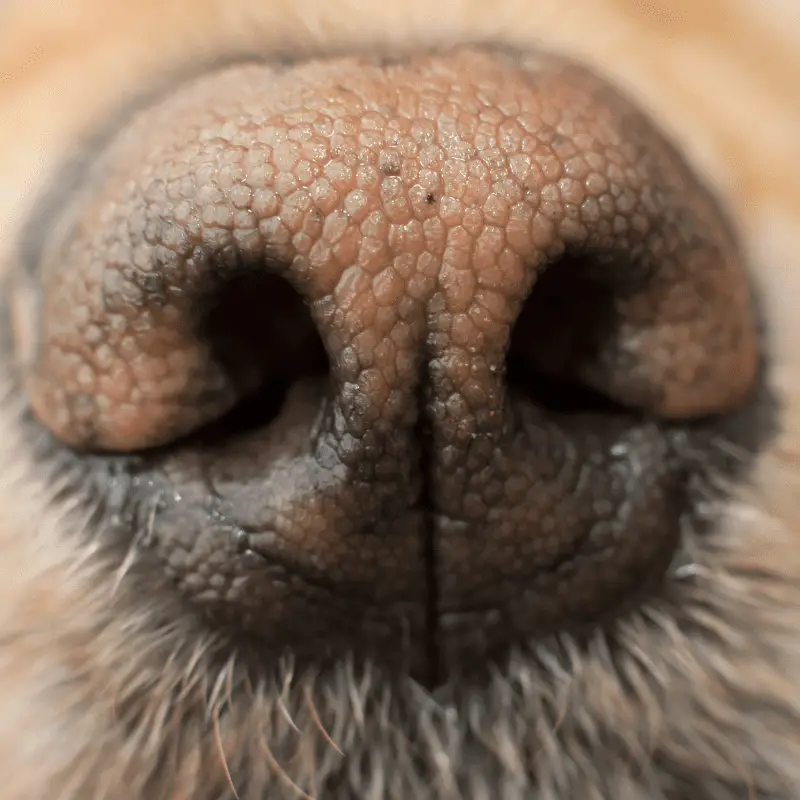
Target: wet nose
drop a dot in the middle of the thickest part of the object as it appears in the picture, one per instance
(455, 233)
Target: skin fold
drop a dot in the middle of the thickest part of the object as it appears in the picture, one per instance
(391, 420)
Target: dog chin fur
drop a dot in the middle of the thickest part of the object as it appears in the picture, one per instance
(107, 693)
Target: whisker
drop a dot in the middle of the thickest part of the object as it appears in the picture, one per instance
(216, 691)
(317, 721)
(281, 772)
(142, 538)
(221, 749)
(282, 698)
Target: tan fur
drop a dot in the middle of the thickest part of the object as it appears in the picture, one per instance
(101, 697)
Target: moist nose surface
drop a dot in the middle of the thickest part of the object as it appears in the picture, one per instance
(412, 498)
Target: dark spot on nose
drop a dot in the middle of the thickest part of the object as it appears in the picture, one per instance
(411, 366)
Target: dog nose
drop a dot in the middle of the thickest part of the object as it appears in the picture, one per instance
(472, 241)
(414, 214)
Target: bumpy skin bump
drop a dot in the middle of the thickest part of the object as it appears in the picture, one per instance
(412, 500)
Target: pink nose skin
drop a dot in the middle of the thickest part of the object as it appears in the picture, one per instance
(427, 220)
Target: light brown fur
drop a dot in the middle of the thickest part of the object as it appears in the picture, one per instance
(103, 696)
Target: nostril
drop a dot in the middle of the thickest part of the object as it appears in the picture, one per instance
(664, 331)
(212, 350)
(260, 330)
(562, 323)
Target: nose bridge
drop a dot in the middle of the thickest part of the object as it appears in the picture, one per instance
(413, 276)
(425, 348)
(421, 335)
(416, 278)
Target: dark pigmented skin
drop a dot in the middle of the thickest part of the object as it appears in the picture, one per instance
(402, 222)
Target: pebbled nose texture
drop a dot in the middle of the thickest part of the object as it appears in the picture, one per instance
(414, 207)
